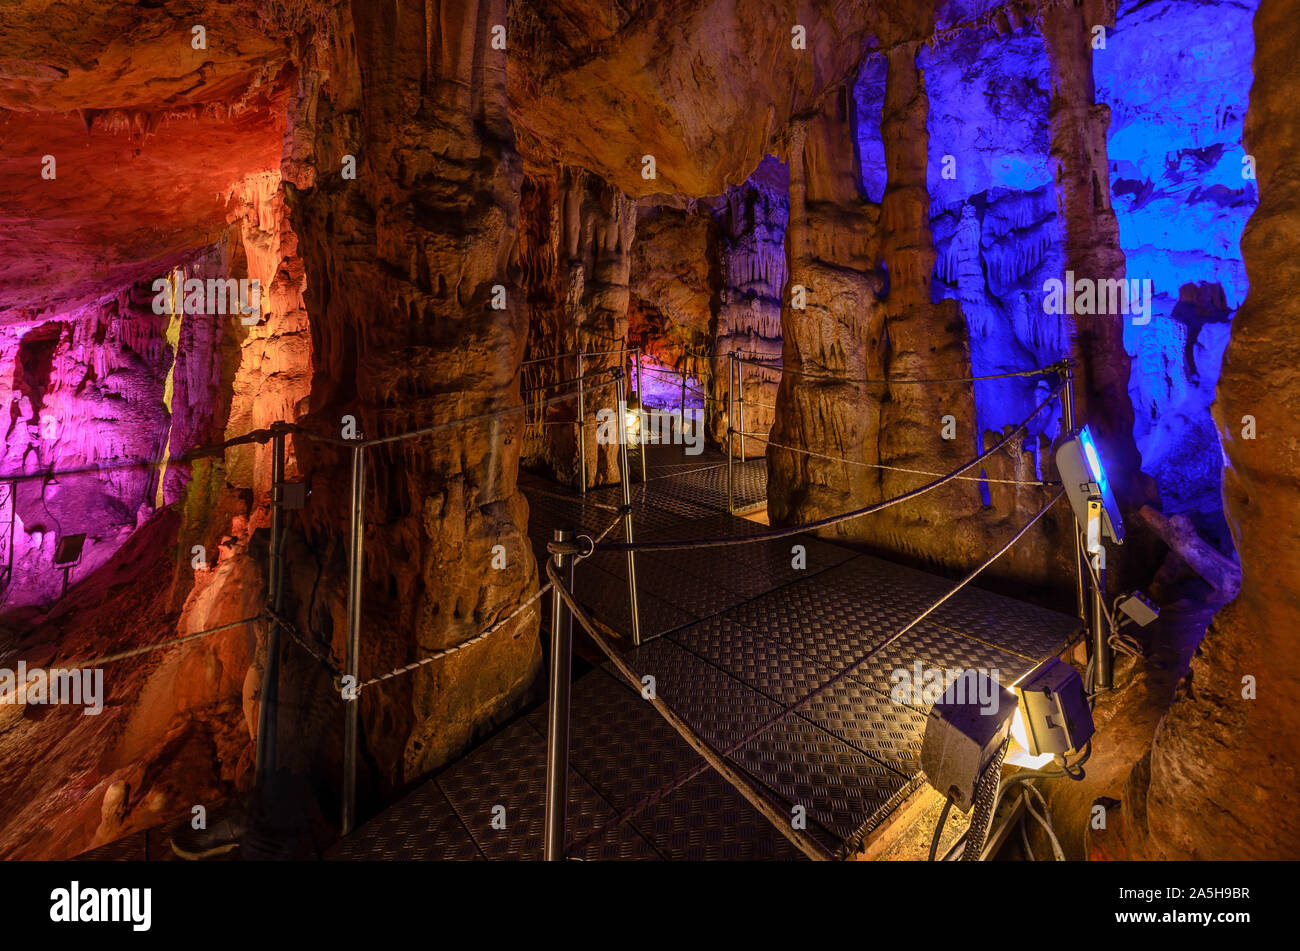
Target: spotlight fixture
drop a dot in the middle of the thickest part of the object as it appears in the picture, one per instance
(963, 734)
(1084, 478)
(1053, 706)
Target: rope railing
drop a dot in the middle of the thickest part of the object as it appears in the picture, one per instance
(808, 527)
(448, 651)
(263, 436)
(717, 758)
(160, 645)
(878, 465)
(477, 638)
(835, 378)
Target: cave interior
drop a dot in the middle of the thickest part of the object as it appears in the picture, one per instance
(257, 250)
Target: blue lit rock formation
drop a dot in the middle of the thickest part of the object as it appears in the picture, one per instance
(1176, 76)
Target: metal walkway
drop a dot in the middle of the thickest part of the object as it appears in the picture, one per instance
(733, 635)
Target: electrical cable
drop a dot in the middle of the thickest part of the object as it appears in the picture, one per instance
(938, 828)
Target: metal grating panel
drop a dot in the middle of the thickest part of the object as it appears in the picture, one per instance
(871, 722)
(129, 848)
(421, 827)
(765, 665)
(618, 742)
(935, 647)
(510, 770)
(1015, 626)
(833, 630)
(607, 598)
(718, 707)
(707, 820)
(842, 789)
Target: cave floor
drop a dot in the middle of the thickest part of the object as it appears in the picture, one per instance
(732, 637)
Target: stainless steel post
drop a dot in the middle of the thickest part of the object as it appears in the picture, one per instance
(682, 421)
(740, 402)
(640, 410)
(582, 430)
(352, 709)
(1080, 553)
(557, 732)
(1102, 676)
(731, 434)
(267, 719)
(627, 509)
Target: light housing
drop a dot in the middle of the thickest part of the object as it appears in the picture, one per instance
(1054, 707)
(1140, 608)
(963, 735)
(1083, 476)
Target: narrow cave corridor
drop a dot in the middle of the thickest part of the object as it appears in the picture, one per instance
(414, 405)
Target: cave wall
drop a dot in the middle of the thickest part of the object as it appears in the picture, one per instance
(82, 390)
(673, 290)
(864, 199)
(830, 246)
(1219, 782)
(401, 264)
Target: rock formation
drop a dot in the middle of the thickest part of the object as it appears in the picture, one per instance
(753, 270)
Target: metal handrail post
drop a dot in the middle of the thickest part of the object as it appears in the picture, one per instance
(557, 732)
(1102, 676)
(731, 434)
(352, 711)
(740, 400)
(267, 713)
(681, 422)
(582, 430)
(640, 411)
(626, 479)
(1080, 553)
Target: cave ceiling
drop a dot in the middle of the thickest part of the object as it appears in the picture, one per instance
(149, 135)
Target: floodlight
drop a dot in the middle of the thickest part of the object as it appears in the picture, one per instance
(1054, 709)
(963, 734)
(1084, 479)
(67, 553)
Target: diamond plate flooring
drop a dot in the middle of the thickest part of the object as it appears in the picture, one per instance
(785, 655)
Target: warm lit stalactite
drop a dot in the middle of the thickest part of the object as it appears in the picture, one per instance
(830, 324)
(402, 262)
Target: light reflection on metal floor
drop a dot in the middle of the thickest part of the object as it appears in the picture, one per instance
(733, 635)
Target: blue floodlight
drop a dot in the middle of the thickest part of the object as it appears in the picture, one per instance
(1090, 450)
(1084, 478)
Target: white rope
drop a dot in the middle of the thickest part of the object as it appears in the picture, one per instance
(874, 465)
(135, 652)
(439, 655)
